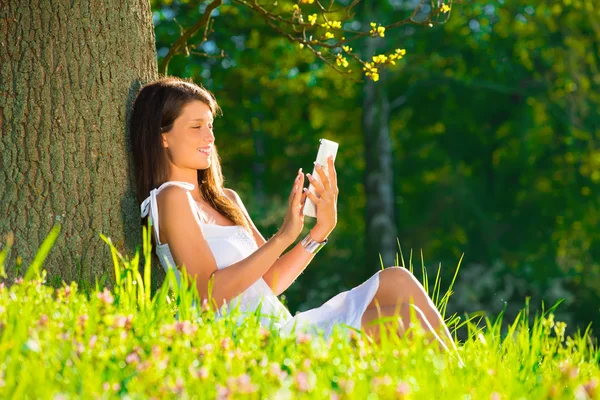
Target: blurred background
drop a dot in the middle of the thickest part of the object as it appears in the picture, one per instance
(481, 143)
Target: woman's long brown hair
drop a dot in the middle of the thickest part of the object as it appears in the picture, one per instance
(156, 107)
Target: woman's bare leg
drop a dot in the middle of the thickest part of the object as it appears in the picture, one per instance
(397, 285)
(401, 323)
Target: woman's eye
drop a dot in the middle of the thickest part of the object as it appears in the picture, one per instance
(197, 127)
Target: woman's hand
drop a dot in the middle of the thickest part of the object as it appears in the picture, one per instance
(325, 200)
(294, 218)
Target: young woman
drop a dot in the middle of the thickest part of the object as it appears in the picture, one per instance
(204, 227)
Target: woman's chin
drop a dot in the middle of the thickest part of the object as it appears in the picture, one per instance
(204, 162)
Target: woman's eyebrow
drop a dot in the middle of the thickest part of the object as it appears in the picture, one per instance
(197, 119)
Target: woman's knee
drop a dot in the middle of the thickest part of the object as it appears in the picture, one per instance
(398, 273)
(396, 285)
(402, 277)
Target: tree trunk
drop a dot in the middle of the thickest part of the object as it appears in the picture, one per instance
(68, 74)
(379, 175)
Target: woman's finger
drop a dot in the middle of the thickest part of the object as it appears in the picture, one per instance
(300, 184)
(319, 189)
(303, 199)
(323, 175)
(301, 205)
(312, 196)
(296, 188)
(332, 174)
(298, 194)
(292, 193)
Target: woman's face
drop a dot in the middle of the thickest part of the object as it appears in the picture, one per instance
(191, 135)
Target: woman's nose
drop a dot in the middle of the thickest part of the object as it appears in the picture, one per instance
(211, 136)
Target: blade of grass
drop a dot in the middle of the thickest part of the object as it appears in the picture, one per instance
(35, 266)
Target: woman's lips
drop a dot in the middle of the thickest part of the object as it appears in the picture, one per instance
(206, 153)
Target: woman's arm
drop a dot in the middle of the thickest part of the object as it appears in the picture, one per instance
(287, 267)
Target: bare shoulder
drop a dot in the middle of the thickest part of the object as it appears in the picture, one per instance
(173, 205)
(171, 198)
(232, 194)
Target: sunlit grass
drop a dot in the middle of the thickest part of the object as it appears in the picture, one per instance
(126, 342)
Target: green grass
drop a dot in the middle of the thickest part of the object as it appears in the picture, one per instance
(66, 343)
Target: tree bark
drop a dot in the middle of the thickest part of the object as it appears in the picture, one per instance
(379, 175)
(68, 74)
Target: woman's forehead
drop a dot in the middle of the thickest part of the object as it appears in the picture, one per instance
(196, 111)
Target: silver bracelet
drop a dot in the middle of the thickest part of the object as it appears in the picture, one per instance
(311, 245)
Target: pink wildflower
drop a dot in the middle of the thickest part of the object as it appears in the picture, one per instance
(122, 321)
(384, 380)
(242, 383)
(402, 390)
(303, 338)
(223, 392)
(302, 382)
(591, 388)
(156, 351)
(132, 358)
(202, 372)
(205, 307)
(306, 363)
(225, 343)
(179, 386)
(346, 384)
(185, 327)
(144, 365)
(80, 348)
(43, 321)
(105, 296)
(81, 320)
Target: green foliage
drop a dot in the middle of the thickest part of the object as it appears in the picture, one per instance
(122, 343)
(495, 148)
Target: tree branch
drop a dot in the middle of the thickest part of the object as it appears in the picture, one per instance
(295, 30)
(297, 25)
(188, 34)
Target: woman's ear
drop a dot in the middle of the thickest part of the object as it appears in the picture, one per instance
(164, 141)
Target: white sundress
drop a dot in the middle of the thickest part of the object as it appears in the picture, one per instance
(230, 244)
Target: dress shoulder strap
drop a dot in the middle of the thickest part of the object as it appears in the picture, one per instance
(150, 206)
